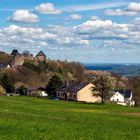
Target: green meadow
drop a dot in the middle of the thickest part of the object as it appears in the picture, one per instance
(27, 118)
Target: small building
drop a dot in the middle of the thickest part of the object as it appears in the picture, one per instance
(37, 92)
(123, 97)
(82, 92)
(5, 66)
(41, 56)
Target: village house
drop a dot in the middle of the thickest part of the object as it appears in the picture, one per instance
(37, 92)
(5, 66)
(123, 97)
(82, 92)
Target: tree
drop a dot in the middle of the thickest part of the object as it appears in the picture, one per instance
(22, 90)
(103, 85)
(2, 90)
(7, 83)
(54, 83)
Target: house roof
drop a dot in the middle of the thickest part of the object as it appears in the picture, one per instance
(41, 54)
(125, 93)
(36, 88)
(4, 65)
(73, 87)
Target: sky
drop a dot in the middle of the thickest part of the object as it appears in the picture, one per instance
(88, 31)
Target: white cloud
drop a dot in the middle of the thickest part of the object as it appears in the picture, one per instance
(75, 17)
(23, 16)
(119, 12)
(133, 6)
(94, 18)
(99, 29)
(47, 8)
(89, 7)
(99, 35)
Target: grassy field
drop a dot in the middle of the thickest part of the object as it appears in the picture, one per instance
(26, 118)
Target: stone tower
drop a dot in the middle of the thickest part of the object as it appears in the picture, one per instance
(18, 59)
(41, 56)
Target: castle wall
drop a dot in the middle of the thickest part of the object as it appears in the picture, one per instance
(18, 60)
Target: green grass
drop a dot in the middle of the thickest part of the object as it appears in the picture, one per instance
(27, 118)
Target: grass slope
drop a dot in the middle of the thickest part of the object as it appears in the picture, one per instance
(26, 118)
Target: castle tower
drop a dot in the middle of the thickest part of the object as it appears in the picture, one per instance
(18, 59)
(41, 56)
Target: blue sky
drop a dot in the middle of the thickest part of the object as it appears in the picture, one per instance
(99, 31)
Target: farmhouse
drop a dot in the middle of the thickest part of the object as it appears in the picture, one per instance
(82, 92)
(123, 97)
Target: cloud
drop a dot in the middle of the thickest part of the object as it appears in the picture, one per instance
(47, 8)
(94, 18)
(23, 16)
(77, 8)
(133, 6)
(119, 12)
(99, 38)
(99, 29)
(36, 38)
(75, 17)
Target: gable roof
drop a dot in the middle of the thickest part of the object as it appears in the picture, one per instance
(41, 54)
(4, 65)
(125, 93)
(73, 88)
(37, 88)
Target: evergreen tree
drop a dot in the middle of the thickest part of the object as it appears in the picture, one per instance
(54, 83)
(8, 83)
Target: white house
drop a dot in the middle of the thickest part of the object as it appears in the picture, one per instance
(43, 94)
(123, 97)
(37, 91)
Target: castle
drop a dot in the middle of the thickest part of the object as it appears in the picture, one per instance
(19, 59)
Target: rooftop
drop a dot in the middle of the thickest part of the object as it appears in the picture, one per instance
(125, 93)
(41, 54)
(73, 87)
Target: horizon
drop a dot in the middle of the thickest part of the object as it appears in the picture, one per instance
(81, 31)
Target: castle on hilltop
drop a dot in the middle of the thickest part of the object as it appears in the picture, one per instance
(19, 59)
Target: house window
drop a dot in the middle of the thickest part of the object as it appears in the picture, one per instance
(74, 96)
(117, 100)
(58, 94)
(62, 94)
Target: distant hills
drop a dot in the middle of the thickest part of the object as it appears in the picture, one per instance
(131, 70)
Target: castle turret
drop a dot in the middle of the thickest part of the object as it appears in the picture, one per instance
(14, 52)
(41, 56)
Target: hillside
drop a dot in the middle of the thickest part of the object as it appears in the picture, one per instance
(129, 70)
(24, 118)
(4, 57)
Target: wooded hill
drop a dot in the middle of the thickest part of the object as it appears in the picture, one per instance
(38, 73)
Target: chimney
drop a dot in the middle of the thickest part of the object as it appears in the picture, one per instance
(67, 83)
